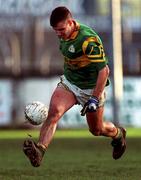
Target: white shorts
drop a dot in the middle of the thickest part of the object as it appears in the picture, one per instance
(82, 95)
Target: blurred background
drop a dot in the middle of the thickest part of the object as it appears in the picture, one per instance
(30, 61)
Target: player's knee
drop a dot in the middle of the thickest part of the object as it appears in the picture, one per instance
(95, 132)
(55, 113)
(52, 118)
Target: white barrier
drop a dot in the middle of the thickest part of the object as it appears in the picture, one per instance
(41, 89)
(6, 100)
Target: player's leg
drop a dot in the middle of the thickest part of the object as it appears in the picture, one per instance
(98, 127)
(61, 101)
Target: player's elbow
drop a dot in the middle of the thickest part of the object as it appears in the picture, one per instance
(107, 70)
(104, 72)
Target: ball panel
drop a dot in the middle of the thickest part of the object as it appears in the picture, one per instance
(36, 112)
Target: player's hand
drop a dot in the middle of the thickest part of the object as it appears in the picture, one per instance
(90, 106)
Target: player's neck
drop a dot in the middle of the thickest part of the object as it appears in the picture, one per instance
(73, 28)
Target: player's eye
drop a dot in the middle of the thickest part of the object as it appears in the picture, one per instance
(59, 30)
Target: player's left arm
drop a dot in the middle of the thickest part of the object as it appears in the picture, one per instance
(94, 50)
(92, 104)
(101, 81)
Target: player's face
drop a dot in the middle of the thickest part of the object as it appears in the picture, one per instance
(64, 29)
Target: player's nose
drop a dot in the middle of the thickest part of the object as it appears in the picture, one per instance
(57, 32)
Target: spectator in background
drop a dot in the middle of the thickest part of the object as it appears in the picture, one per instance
(85, 76)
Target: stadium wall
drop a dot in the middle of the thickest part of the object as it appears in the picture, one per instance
(13, 99)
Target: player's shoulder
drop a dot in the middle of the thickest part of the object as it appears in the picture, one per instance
(87, 31)
(88, 34)
(85, 27)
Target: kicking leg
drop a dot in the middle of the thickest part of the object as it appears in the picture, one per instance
(61, 101)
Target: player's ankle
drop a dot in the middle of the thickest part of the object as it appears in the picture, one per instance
(118, 134)
(41, 147)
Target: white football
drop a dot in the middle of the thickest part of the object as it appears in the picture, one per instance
(36, 112)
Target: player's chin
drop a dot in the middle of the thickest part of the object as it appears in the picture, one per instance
(62, 37)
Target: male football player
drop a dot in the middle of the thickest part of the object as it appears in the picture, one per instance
(85, 76)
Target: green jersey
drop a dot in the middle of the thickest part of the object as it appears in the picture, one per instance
(84, 57)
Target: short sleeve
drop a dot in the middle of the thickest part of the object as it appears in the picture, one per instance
(94, 51)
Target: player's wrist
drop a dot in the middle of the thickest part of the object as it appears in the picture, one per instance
(94, 99)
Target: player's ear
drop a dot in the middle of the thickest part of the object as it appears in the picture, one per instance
(70, 22)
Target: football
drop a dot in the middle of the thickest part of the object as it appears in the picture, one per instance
(36, 112)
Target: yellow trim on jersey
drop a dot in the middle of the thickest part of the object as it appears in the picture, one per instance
(97, 60)
(100, 55)
(92, 50)
(87, 41)
(82, 61)
(85, 45)
(78, 62)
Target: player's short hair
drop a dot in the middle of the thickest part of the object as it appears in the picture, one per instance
(59, 14)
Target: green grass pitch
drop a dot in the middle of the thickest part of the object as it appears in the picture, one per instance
(72, 155)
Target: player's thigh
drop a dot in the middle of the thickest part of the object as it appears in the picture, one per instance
(62, 100)
(95, 119)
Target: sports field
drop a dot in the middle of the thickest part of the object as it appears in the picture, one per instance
(72, 155)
